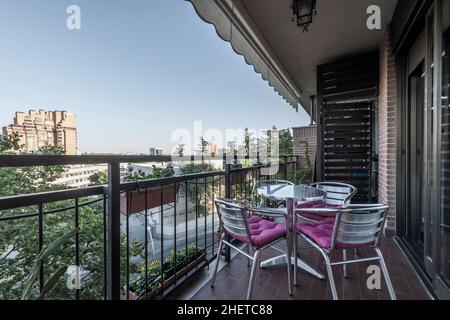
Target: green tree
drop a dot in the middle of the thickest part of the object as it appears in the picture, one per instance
(157, 172)
(19, 237)
(267, 141)
(203, 146)
(10, 144)
(286, 144)
(249, 141)
(305, 176)
(180, 150)
(200, 192)
(14, 181)
(100, 177)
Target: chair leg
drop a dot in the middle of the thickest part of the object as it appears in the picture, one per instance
(387, 278)
(219, 251)
(331, 277)
(294, 254)
(344, 266)
(252, 274)
(289, 263)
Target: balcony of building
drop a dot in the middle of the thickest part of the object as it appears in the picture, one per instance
(122, 229)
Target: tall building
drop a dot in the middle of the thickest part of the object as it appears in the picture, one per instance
(40, 128)
(155, 151)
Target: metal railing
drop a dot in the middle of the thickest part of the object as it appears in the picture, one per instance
(174, 214)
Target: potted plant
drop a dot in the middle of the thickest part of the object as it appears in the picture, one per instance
(174, 266)
(152, 197)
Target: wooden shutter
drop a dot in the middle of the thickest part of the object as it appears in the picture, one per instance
(347, 94)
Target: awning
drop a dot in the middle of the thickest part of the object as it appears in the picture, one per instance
(230, 27)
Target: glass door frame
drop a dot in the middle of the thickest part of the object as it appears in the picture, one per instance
(422, 261)
(432, 20)
(442, 290)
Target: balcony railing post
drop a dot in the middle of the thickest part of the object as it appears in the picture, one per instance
(228, 185)
(113, 259)
(228, 181)
(285, 168)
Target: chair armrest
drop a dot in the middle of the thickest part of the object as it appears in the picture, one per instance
(317, 210)
(364, 206)
(269, 212)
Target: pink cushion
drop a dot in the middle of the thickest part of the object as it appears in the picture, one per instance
(322, 231)
(263, 232)
(320, 205)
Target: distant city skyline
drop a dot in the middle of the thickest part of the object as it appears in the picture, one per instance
(133, 74)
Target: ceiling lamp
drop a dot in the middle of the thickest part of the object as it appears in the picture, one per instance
(303, 12)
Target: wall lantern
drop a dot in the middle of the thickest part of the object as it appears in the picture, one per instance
(303, 12)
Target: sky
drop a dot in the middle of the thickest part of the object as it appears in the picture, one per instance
(135, 72)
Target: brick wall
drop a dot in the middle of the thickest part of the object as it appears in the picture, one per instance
(309, 135)
(387, 131)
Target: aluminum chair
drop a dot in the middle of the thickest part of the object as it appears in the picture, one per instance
(246, 225)
(353, 228)
(338, 193)
(339, 196)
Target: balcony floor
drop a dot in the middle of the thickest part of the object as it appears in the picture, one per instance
(271, 284)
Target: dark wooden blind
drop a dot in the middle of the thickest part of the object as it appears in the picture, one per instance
(347, 91)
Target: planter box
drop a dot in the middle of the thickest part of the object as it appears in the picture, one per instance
(169, 281)
(137, 203)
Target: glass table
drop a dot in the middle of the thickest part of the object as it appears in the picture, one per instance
(299, 195)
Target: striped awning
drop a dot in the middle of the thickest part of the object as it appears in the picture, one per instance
(229, 27)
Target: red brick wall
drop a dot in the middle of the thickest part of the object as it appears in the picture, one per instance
(387, 130)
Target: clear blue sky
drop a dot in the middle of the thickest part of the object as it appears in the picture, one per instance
(136, 71)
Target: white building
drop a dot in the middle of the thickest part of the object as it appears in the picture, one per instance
(77, 176)
(156, 151)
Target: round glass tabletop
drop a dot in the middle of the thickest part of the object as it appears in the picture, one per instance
(284, 192)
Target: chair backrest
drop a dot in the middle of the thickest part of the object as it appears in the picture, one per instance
(359, 226)
(258, 200)
(338, 194)
(233, 218)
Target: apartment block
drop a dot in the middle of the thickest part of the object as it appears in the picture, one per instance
(40, 128)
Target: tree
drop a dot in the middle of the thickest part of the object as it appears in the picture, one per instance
(267, 142)
(305, 176)
(203, 146)
(19, 237)
(200, 191)
(180, 150)
(10, 144)
(100, 177)
(286, 145)
(14, 181)
(249, 142)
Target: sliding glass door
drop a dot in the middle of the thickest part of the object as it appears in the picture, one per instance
(425, 147)
(416, 220)
(444, 228)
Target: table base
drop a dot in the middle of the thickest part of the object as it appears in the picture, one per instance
(281, 260)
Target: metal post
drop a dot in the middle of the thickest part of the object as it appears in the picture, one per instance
(41, 245)
(228, 185)
(227, 180)
(285, 169)
(113, 265)
(312, 100)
